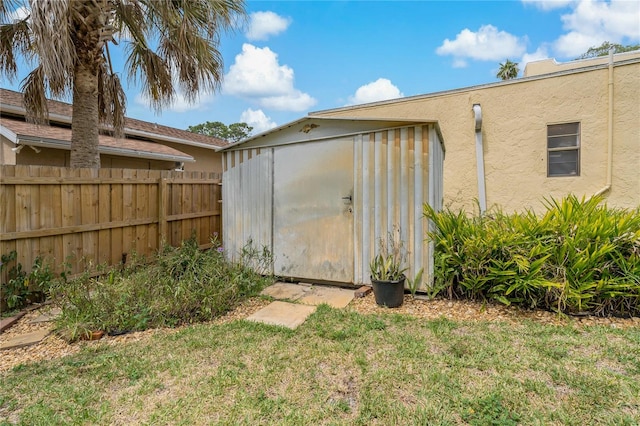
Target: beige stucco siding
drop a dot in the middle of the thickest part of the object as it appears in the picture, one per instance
(207, 160)
(515, 119)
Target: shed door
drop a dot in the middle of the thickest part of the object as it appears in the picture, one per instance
(313, 220)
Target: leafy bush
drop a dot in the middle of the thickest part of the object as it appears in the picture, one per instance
(182, 285)
(23, 288)
(579, 256)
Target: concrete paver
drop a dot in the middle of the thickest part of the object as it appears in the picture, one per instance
(48, 316)
(333, 296)
(284, 314)
(286, 291)
(25, 340)
(291, 315)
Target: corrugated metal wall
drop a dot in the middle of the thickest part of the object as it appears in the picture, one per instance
(247, 194)
(394, 173)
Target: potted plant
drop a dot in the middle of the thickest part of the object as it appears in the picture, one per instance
(387, 273)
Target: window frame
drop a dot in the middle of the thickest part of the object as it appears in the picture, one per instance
(577, 148)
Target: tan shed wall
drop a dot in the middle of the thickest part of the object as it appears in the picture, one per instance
(515, 119)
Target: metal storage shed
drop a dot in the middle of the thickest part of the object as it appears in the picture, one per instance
(321, 192)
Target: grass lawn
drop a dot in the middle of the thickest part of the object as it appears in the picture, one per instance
(340, 367)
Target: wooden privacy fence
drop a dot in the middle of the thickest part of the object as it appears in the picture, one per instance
(87, 217)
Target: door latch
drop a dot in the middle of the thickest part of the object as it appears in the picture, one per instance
(347, 198)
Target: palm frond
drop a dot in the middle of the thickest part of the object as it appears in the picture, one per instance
(34, 89)
(111, 101)
(53, 43)
(14, 40)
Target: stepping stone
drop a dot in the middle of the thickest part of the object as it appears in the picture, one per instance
(333, 296)
(47, 316)
(288, 291)
(6, 323)
(25, 340)
(284, 314)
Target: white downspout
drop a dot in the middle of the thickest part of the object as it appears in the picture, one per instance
(609, 130)
(482, 194)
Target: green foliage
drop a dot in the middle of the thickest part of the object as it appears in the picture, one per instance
(234, 132)
(603, 49)
(508, 70)
(183, 285)
(21, 287)
(414, 283)
(578, 256)
(388, 264)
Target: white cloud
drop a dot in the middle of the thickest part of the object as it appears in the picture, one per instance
(487, 44)
(379, 90)
(549, 4)
(592, 22)
(180, 102)
(264, 24)
(540, 53)
(19, 14)
(257, 75)
(258, 120)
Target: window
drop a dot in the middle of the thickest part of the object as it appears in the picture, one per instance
(563, 149)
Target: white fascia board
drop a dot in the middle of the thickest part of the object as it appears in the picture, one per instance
(58, 144)
(8, 133)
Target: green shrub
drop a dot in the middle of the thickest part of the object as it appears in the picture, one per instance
(23, 288)
(182, 285)
(579, 256)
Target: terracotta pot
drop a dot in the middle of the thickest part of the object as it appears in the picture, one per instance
(94, 335)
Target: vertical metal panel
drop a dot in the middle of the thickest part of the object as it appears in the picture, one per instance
(366, 206)
(391, 179)
(404, 184)
(378, 178)
(418, 235)
(391, 183)
(247, 187)
(358, 271)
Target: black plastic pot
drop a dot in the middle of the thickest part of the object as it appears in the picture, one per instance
(389, 293)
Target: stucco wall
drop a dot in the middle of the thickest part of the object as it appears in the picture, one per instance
(207, 160)
(6, 155)
(515, 119)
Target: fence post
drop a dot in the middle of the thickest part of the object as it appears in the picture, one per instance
(162, 213)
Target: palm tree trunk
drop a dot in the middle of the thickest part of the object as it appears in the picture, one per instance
(84, 139)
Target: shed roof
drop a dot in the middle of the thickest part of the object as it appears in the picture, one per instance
(21, 132)
(309, 128)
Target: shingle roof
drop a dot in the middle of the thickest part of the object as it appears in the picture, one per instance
(130, 147)
(64, 110)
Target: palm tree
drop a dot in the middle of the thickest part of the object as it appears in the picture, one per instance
(68, 42)
(508, 70)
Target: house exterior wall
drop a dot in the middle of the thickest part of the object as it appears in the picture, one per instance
(6, 155)
(515, 119)
(60, 158)
(207, 160)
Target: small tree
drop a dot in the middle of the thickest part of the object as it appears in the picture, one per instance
(233, 132)
(508, 70)
(169, 45)
(603, 50)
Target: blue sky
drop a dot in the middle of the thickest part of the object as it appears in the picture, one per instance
(293, 57)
